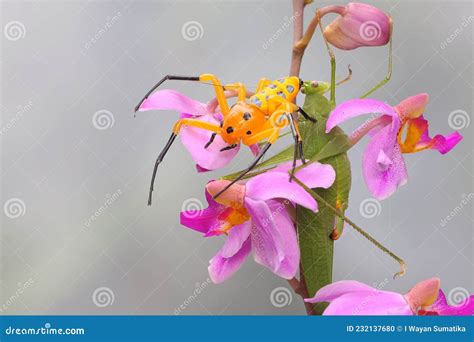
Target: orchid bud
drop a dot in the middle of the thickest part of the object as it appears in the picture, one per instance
(413, 106)
(358, 25)
(232, 197)
(423, 294)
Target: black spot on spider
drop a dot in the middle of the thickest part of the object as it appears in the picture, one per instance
(247, 116)
(249, 132)
(229, 130)
(290, 88)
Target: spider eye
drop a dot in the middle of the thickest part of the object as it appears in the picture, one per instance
(229, 130)
(249, 132)
(247, 116)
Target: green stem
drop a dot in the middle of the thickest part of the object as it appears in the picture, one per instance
(356, 227)
(389, 72)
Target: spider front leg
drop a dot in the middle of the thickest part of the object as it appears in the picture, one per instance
(177, 127)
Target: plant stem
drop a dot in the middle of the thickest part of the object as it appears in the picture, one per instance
(356, 227)
(301, 290)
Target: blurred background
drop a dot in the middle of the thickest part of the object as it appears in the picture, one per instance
(76, 234)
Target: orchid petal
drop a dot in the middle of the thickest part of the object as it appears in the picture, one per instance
(167, 99)
(286, 231)
(374, 303)
(266, 245)
(203, 220)
(337, 289)
(383, 165)
(277, 185)
(221, 268)
(357, 107)
(237, 237)
(442, 308)
(314, 175)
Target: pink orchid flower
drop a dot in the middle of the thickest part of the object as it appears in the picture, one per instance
(194, 139)
(383, 164)
(255, 217)
(357, 25)
(349, 297)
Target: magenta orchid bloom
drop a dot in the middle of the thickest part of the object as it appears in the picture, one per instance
(194, 139)
(349, 297)
(357, 25)
(383, 165)
(255, 217)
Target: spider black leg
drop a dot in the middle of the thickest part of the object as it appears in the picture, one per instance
(167, 77)
(252, 166)
(211, 140)
(305, 115)
(158, 161)
(230, 147)
(296, 142)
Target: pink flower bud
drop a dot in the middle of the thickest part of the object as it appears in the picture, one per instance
(423, 294)
(358, 25)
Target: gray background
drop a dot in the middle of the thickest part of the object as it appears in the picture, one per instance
(56, 76)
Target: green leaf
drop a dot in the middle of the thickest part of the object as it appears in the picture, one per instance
(314, 229)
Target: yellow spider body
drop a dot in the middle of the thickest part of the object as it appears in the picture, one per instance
(250, 120)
